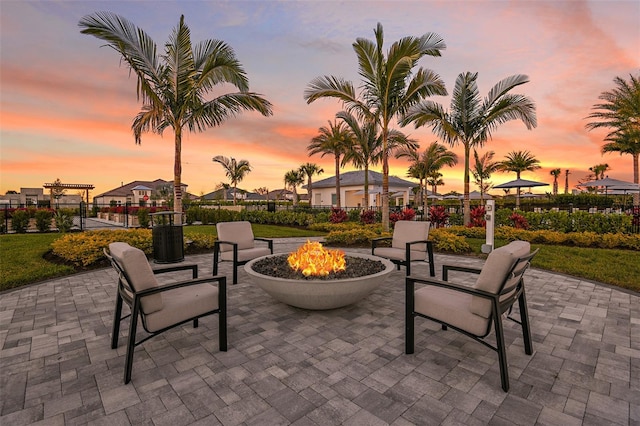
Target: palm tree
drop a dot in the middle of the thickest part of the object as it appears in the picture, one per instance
(555, 173)
(308, 170)
(435, 179)
(389, 87)
(263, 190)
(566, 181)
(427, 164)
(620, 112)
(482, 169)
(472, 120)
(235, 171)
(294, 178)
(335, 140)
(599, 170)
(366, 148)
(173, 85)
(518, 162)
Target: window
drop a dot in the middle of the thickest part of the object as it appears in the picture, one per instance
(334, 199)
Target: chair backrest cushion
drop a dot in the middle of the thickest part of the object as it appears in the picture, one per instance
(405, 231)
(237, 232)
(138, 272)
(494, 272)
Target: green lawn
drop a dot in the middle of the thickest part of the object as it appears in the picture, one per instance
(21, 257)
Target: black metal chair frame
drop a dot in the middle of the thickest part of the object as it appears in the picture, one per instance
(236, 262)
(407, 257)
(498, 307)
(133, 300)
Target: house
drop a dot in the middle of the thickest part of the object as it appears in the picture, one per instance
(139, 193)
(352, 190)
(37, 197)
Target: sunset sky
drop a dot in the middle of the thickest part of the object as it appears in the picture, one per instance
(67, 104)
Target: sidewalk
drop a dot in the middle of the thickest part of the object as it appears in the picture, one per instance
(345, 366)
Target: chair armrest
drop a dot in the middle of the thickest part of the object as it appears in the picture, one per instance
(217, 243)
(447, 268)
(410, 281)
(165, 269)
(267, 240)
(375, 241)
(222, 281)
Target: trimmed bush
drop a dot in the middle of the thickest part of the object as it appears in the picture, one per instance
(43, 220)
(20, 221)
(85, 248)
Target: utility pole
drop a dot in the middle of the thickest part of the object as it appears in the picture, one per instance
(566, 181)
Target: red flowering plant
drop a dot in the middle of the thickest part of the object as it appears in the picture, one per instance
(338, 216)
(406, 214)
(477, 217)
(438, 216)
(368, 217)
(519, 221)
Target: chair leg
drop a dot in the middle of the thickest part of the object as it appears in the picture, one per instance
(131, 344)
(215, 261)
(409, 319)
(222, 319)
(235, 264)
(502, 352)
(408, 266)
(432, 267)
(195, 323)
(116, 321)
(524, 320)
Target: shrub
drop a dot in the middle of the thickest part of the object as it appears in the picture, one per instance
(438, 216)
(20, 221)
(444, 241)
(519, 221)
(477, 217)
(43, 220)
(354, 215)
(355, 236)
(86, 248)
(368, 217)
(338, 216)
(405, 214)
(64, 221)
(143, 217)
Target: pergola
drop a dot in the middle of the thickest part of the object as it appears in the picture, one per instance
(81, 186)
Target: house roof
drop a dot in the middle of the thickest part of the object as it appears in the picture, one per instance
(125, 190)
(356, 178)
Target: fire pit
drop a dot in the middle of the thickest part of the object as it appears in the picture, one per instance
(318, 279)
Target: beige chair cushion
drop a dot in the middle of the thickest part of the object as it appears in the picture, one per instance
(134, 262)
(451, 307)
(236, 232)
(405, 231)
(247, 254)
(494, 271)
(398, 254)
(181, 304)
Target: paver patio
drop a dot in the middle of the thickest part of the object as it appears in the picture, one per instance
(345, 366)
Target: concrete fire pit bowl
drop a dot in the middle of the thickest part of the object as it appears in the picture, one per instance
(320, 294)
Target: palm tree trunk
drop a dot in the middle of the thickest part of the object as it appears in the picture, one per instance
(425, 200)
(466, 205)
(235, 188)
(309, 191)
(366, 186)
(177, 172)
(338, 203)
(385, 178)
(636, 178)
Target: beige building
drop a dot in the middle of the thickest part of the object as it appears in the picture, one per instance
(138, 193)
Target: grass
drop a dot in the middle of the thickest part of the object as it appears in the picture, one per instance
(22, 262)
(610, 266)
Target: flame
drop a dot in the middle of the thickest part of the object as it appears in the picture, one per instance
(313, 259)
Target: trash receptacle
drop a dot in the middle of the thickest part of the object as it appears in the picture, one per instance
(167, 238)
(271, 206)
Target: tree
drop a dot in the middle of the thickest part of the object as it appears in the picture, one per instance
(389, 87)
(366, 147)
(173, 86)
(235, 171)
(555, 173)
(482, 169)
(294, 178)
(308, 170)
(472, 120)
(428, 164)
(566, 181)
(518, 162)
(599, 170)
(620, 112)
(334, 140)
(57, 190)
(263, 190)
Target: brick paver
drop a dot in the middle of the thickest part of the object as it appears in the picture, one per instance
(291, 366)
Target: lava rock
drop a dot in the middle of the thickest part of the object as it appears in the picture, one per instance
(277, 266)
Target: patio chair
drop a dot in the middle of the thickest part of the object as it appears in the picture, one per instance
(473, 310)
(236, 243)
(161, 307)
(409, 244)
